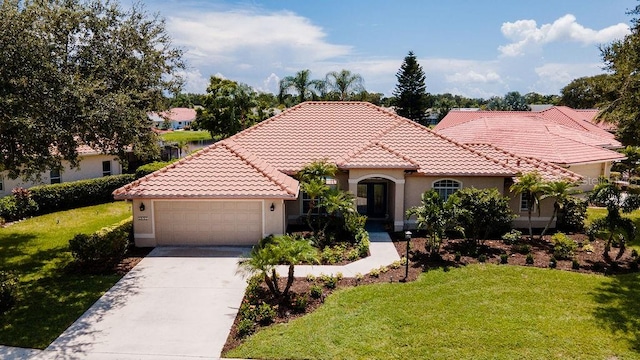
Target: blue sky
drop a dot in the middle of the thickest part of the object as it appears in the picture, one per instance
(468, 47)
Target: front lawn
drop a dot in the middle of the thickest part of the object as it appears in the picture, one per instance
(474, 312)
(185, 135)
(51, 298)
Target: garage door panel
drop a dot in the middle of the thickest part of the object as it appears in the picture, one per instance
(208, 222)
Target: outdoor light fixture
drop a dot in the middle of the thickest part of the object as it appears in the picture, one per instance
(407, 236)
(272, 207)
(142, 207)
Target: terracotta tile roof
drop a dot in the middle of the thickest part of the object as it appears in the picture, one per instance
(253, 163)
(532, 135)
(174, 114)
(218, 171)
(522, 165)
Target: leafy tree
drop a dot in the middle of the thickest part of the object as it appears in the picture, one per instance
(228, 108)
(613, 227)
(622, 60)
(535, 98)
(530, 186)
(188, 100)
(301, 84)
(374, 98)
(631, 165)
(271, 252)
(512, 101)
(410, 93)
(587, 92)
(344, 84)
(436, 217)
(79, 73)
(561, 191)
(482, 212)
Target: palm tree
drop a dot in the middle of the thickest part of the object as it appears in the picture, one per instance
(301, 84)
(285, 250)
(530, 186)
(344, 83)
(561, 191)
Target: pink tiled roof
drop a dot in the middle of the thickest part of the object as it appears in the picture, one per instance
(220, 171)
(522, 165)
(253, 163)
(556, 135)
(176, 114)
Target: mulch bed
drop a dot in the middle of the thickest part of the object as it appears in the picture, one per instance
(541, 249)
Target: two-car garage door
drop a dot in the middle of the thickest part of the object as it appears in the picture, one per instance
(208, 222)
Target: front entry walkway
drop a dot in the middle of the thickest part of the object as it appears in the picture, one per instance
(177, 303)
(382, 252)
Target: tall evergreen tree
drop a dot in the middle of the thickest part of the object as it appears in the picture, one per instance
(411, 99)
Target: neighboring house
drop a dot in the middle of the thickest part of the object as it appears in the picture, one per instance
(177, 118)
(92, 165)
(560, 135)
(241, 189)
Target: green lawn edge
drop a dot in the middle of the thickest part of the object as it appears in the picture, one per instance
(474, 312)
(49, 298)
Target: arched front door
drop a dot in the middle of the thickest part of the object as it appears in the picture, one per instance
(372, 199)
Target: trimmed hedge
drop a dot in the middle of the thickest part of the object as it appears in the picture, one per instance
(147, 169)
(75, 194)
(8, 291)
(103, 249)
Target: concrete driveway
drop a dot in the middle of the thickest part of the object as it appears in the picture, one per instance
(177, 303)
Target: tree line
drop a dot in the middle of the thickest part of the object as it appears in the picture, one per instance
(81, 72)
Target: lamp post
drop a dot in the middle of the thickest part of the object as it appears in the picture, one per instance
(407, 236)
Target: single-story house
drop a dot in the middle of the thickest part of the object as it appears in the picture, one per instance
(242, 188)
(178, 118)
(93, 164)
(560, 135)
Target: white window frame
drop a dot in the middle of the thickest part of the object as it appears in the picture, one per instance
(109, 172)
(446, 189)
(55, 179)
(524, 201)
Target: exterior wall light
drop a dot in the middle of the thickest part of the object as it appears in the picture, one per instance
(142, 207)
(272, 207)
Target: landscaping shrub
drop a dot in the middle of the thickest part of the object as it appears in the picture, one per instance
(529, 259)
(265, 314)
(253, 292)
(587, 248)
(102, 249)
(575, 264)
(634, 264)
(482, 258)
(147, 169)
(553, 263)
(375, 273)
(315, 291)
(18, 205)
(8, 290)
(634, 253)
(504, 258)
(484, 212)
(246, 327)
(521, 248)
(512, 237)
(75, 194)
(563, 246)
(330, 282)
(300, 303)
(457, 256)
(571, 217)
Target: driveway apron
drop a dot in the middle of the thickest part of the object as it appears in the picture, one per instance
(177, 303)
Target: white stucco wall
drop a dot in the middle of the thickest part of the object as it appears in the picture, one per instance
(90, 168)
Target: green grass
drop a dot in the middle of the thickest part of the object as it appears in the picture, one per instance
(50, 299)
(595, 213)
(186, 136)
(474, 312)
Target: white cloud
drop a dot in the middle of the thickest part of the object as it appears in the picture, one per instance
(473, 77)
(553, 77)
(236, 36)
(270, 84)
(526, 36)
(195, 82)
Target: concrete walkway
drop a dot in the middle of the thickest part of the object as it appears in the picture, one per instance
(177, 303)
(382, 251)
